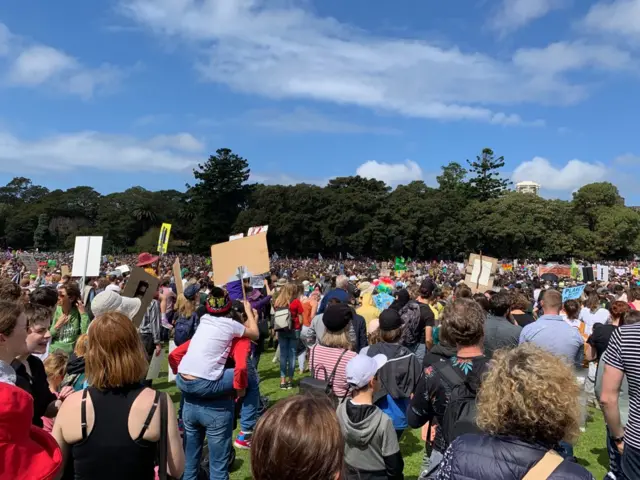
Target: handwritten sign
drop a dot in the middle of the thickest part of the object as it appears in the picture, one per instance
(572, 293)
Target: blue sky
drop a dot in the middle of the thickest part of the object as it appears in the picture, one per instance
(116, 93)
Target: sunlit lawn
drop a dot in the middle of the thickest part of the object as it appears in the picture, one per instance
(591, 448)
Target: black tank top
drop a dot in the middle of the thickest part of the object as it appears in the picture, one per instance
(108, 451)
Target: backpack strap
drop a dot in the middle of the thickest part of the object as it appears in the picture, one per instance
(545, 467)
(448, 373)
(335, 368)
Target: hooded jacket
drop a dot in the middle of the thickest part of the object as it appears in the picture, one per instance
(26, 451)
(372, 451)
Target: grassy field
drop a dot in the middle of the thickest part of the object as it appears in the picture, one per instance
(591, 449)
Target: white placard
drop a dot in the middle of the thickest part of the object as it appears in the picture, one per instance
(484, 275)
(170, 376)
(154, 365)
(257, 230)
(86, 257)
(237, 236)
(602, 273)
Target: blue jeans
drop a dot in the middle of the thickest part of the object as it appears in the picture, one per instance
(215, 419)
(202, 388)
(288, 346)
(251, 401)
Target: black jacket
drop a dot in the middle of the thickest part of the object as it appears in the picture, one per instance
(484, 457)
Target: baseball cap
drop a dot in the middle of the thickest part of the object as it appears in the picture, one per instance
(362, 368)
(109, 301)
(390, 320)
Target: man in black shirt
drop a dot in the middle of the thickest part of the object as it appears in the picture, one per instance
(30, 372)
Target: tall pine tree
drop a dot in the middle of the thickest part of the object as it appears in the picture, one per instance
(486, 181)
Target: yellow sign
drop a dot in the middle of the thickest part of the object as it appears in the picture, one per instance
(163, 240)
(636, 272)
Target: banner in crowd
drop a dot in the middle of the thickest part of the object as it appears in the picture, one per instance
(602, 273)
(29, 261)
(559, 270)
(572, 293)
(163, 239)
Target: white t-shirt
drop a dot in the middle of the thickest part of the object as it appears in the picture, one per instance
(590, 319)
(210, 347)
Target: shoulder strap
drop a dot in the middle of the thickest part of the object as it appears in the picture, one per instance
(448, 373)
(335, 368)
(83, 414)
(152, 411)
(162, 443)
(545, 467)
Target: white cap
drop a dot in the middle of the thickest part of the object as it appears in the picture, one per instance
(362, 368)
(110, 301)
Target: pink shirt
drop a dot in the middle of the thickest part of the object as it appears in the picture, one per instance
(327, 357)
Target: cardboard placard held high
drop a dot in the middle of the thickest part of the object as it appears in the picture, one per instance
(252, 253)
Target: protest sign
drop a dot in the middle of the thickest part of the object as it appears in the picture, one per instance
(143, 286)
(257, 230)
(64, 270)
(635, 271)
(177, 276)
(154, 366)
(163, 239)
(480, 272)
(252, 253)
(385, 273)
(257, 281)
(602, 273)
(29, 262)
(237, 236)
(86, 257)
(170, 375)
(572, 293)
(123, 269)
(559, 270)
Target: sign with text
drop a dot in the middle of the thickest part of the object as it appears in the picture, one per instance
(163, 239)
(602, 273)
(572, 293)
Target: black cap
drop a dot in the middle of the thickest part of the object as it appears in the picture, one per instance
(337, 317)
(390, 320)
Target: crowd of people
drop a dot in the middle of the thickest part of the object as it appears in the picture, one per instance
(497, 379)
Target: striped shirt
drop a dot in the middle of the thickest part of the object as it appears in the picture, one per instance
(324, 359)
(623, 353)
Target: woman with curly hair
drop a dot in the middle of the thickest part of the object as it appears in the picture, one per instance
(527, 404)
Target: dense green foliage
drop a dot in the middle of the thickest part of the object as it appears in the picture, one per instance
(470, 210)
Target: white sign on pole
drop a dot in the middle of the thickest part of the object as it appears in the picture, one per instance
(602, 273)
(86, 257)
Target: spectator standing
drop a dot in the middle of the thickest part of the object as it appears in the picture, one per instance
(13, 337)
(70, 320)
(499, 332)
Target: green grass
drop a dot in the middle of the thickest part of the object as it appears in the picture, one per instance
(591, 448)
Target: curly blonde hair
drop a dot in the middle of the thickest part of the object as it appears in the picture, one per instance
(531, 394)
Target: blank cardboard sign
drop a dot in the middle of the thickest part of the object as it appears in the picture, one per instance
(143, 286)
(480, 272)
(252, 253)
(177, 276)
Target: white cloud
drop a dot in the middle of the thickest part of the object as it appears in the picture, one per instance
(282, 51)
(573, 175)
(100, 151)
(391, 173)
(561, 57)
(37, 65)
(181, 141)
(618, 17)
(628, 159)
(515, 14)
(302, 120)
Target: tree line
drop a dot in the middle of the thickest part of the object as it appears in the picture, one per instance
(472, 209)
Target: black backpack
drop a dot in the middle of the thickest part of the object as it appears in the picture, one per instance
(460, 414)
(185, 328)
(315, 386)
